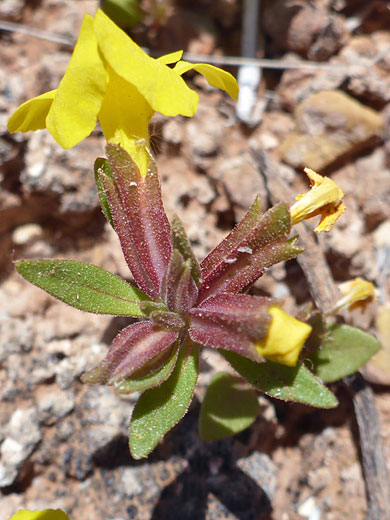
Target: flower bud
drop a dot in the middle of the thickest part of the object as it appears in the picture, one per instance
(285, 338)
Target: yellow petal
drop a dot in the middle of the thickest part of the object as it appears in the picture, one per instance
(285, 338)
(124, 125)
(324, 198)
(164, 90)
(354, 292)
(46, 514)
(32, 114)
(73, 114)
(170, 58)
(215, 76)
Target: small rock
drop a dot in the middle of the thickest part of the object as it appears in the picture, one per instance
(8, 473)
(184, 185)
(54, 404)
(17, 336)
(11, 9)
(65, 430)
(205, 133)
(103, 424)
(352, 478)
(319, 478)
(131, 484)
(382, 235)
(241, 180)
(26, 233)
(371, 172)
(23, 435)
(309, 509)
(262, 470)
(24, 427)
(347, 235)
(172, 132)
(65, 175)
(42, 374)
(304, 28)
(330, 125)
(369, 50)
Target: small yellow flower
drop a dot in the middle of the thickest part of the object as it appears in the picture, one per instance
(285, 338)
(110, 78)
(47, 514)
(355, 292)
(324, 198)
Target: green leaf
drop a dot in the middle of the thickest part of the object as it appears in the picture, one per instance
(286, 383)
(103, 166)
(344, 350)
(228, 407)
(133, 384)
(159, 409)
(84, 286)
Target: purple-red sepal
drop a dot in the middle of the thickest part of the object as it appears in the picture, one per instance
(139, 345)
(179, 290)
(232, 322)
(139, 218)
(255, 244)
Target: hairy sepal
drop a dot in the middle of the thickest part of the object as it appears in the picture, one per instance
(239, 263)
(179, 290)
(168, 320)
(182, 244)
(233, 240)
(139, 218)
(139, 382)
(133, 348)
(102, 167)
(232, 322)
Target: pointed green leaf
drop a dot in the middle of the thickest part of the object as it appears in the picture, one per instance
(286, 383)
(133, 384)
(344, 350)
(228, 407)
(159, 409)
(83, 286)
(102, 166)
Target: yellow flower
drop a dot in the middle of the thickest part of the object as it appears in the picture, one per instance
(110, 78)
(354, 292)
(323, 199)
(285, 338)
(47, 514)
